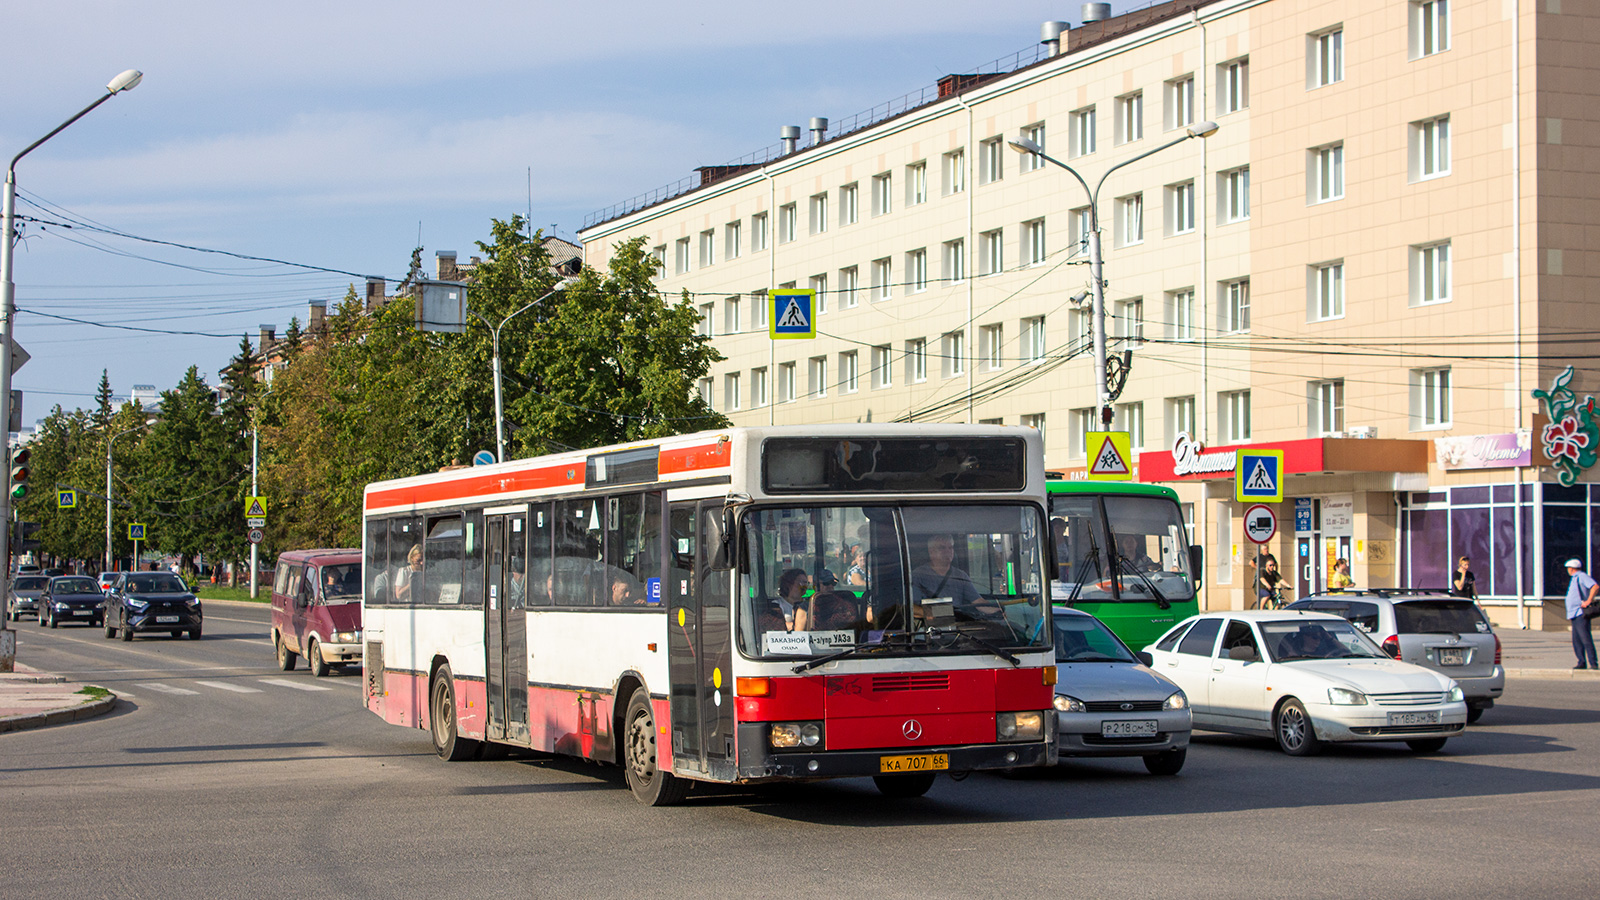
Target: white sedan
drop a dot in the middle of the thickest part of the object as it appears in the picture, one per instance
(1304, 678)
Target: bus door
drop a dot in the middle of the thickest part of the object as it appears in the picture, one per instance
(506, 638)
(699, 646)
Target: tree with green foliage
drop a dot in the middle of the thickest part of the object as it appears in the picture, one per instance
(102, 401)
(191, 478)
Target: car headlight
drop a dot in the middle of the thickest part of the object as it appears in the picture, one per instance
(1339, 696)
(137, 605)
(1064, 703)
(1176, 701)
(789, 735)
(1019, 726)
(1455, 694)
(347, 637)
(194, 602)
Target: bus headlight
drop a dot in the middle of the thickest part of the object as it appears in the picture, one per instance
(791, 735)
(1019, 726)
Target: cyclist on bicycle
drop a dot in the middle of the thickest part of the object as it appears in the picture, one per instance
(1269, 592)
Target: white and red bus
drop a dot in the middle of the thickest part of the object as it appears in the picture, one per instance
(739, 606)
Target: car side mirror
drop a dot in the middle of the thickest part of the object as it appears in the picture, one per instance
(1145, 657)
(1243, 654)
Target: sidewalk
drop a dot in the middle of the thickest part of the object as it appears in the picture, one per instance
(30, 699)
(1539, 654)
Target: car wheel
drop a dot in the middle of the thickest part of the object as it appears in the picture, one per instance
(1167, 762)
(54, 623)
(1294, 731)
(450, 746)
(194, 633)
(904, 787)
(286, 657)
(41, 619)
(1474, 713)
(650, 785)
(1427, 745)
(111, 631)
(127, 628)
(314, 660)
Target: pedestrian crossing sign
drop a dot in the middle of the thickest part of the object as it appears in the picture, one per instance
(135, 531)
(1110, 456)
(66, 499)
(1258, 476)
(791, 314)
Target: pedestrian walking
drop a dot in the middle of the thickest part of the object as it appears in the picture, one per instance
(1464, 583)
(1581, 591)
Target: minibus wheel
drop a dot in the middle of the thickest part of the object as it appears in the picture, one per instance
(904, 786)
(286, 657)
(450, 746)
(650, 785)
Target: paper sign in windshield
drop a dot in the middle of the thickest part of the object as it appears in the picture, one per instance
(805, 643)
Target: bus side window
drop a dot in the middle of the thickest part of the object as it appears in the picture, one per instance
(540, 573)
(376, 562)
(577, 551)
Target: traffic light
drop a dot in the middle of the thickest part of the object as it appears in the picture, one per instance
(19, 473)
(22, 539)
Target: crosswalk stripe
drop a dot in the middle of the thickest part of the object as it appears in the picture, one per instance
(166, 688)
(297, 685)
(236, 688)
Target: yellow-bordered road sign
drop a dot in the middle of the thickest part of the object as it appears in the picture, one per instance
(66, 499)
(255, 507)
(1110, 456)
(135, 531)
(1258, 476)
(792, 313)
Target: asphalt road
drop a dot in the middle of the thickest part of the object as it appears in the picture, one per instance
(221, 777)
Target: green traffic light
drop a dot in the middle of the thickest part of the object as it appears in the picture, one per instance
(18, 492)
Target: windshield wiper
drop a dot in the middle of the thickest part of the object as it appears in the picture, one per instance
(852, 650)
(1125, 563)
(981, 642)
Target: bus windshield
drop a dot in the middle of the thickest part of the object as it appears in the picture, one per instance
(895, 580)
(1142, 540)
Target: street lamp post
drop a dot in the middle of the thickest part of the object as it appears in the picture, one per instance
(1023, 144)
(8, 210)
(110, 559)
(494, 333)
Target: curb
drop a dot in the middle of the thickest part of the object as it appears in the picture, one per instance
(89, 710)
(1573, 674)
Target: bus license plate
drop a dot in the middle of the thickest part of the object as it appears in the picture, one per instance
(1452, 656)
(1139, 728)
(1414, 718)
(166, 618)
(926, 762)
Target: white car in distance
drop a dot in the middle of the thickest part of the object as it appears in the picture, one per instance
(1304, 678)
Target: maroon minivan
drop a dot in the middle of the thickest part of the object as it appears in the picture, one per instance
(316, 609)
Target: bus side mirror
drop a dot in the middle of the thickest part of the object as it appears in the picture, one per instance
(720, 531)
(1197, 564)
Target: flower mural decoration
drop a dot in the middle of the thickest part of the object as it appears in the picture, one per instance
(1572, 439)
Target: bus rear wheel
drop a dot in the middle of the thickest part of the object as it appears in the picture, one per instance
(450, 746)
(650, 785)
(904, 786)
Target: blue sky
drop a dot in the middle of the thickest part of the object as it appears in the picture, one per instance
(331, 133)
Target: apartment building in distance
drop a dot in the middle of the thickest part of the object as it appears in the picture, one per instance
(1382, 252)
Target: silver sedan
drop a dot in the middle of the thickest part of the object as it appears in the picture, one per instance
(1109, 703)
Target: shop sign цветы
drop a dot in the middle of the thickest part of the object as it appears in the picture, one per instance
(1484, 451)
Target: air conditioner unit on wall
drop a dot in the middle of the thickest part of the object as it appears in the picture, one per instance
(1365, 431)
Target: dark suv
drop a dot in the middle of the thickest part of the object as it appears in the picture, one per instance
(71, 598)
(1426, 627)
(151, 601)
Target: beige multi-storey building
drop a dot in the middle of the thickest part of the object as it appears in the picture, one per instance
(1374, 261)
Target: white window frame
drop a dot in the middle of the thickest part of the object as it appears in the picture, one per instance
(817, 376)
(1325, 173)
(730, 391)
(1130, 220)
(1325, 57)
(1031, 341)
(1179, 97)
(788, 222)
(955, 260)
(758, 309)
(991, 160)
(953, 169)
(758, 231)
(819, 285)
(819, 213)
(682, 255)
(1325, 400)
(1430, 27)
(991, 346)
(849, 203)
(786, 383)
(707, 392)
(708, 325)
(1180, 208)
(1080, 132)
(1431, 274)
(1233, 195)
(732, 315)
(1235, 306)
(850, 371)
(849, 287)
(991, 252)
(1181, 314)
(708, 248)
(1233, 416)
(1129, 417)
(1430, 399)
(883, 193)
(917, 183)
(1128, 318)
(917, 360)
(1033, 162)
(917, 271)
(1080, 423)
(1325, 300)
(882, 278)
(1034, 421)
(1430, 148)
(758, 387)
(1180, 417)
(1079, 222)
(1130, 118)
(732, 240)
(882, 367)
(1032, 245)
(1233, 86)
(953, 347)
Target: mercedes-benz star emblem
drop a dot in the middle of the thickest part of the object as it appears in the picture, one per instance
(912, 729)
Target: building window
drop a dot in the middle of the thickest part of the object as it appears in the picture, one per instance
(1032, 343)
(1430, 27)
(955, 260)
(882, 194)
(954, 164)
(1180, 208)
(1130, 117)
(1180, 418)
(1033, 250)
(659, 254)
(1180, 315)
(991, 342)
(849, 204)
(917, 271)
(1327, 292)
(1079, 223)
(1080, 132)
(1080, 329)
(1222, 552)
(1325, 57)
(1130, 220)
(916, 183)
(882, 374)
(733, 233)
(1430, 148)
(991, 252)
(680, 255)
(819, 213)
(1033, 162)
(1080, 424)
(954, 350)
(1034, 421)
(758, 231)
(758, 387)
(1236, 306)
(1325, 166)
(819, 285)
(788, 223)
(917, 360)
(707, 326)
(1234, 191)
(882, 279)
(1233, 414)
(1180, 102)
(817, 372)
(850, 371)
(1129, 417)
(849, 280)
(708, 247)
(758, 309)
(731, 315)
(1233, 86)
(991, 160)
(1327, 407)
(1129, 315)
(706, 393)
(1430, 274)
(1430, 398)
(730, 390)
(786, 386)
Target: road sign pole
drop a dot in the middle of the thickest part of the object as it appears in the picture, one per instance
(254, 549)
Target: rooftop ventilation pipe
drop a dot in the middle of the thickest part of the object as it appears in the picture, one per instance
(819, 127)
(790, 136)
(1050, 35)
(1096, 12)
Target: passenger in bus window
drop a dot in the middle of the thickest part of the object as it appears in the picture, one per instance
(831, 610)
(792, 586)
(407, 574)
(939, 577)
(856, 575)
(518, 589)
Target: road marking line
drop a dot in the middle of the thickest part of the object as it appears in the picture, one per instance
(297, 685)
(223, 685)
(166, 688)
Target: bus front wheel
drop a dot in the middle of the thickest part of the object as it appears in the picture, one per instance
(650, 785)
(904, 786)
(450, 746)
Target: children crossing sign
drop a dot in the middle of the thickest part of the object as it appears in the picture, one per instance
(792, 314)
(1110, 456)
(1258, 476)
